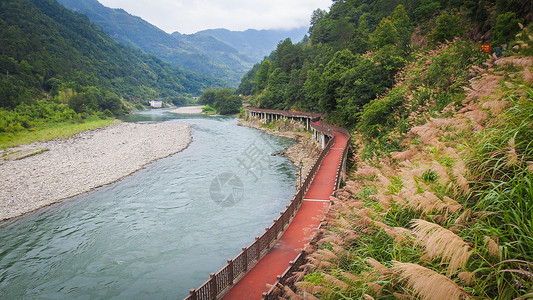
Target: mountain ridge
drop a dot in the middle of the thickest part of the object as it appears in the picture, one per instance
(202, 53)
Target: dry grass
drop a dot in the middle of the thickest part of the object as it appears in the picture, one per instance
(467, 277)
(380, 268)
(428, 284)
(441, 242)
(492, 246)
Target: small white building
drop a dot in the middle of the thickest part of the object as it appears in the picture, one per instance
(156, 103)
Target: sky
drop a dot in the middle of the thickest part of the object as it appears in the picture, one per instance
(190, 16)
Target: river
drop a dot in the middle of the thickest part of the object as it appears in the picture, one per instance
(159, 232)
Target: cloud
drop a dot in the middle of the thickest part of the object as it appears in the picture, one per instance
(195, 15)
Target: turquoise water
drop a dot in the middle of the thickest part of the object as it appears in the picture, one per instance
(159, 232)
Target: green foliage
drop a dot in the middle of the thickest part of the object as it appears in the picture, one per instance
(377, 115)
(449, 25)
(208, 97)
(208, 109)
(505, 28)
(47, 49)
(223, 101)
(503, 183)
(393, 31)
(426, 11)
(429, 176)
(524, 44)
(48, 131)
(25, 116)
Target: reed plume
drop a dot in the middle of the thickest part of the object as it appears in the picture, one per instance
(291, 294)
(351, 277)
(308, 296)
(307, 288)
(333, 281)
(428, 284)
(402, 296)
(467, 277)
(318, 264)
(380, 268)
(332, 238)
(512, 156)
(494, 249)
(530, 166)
(441, 242)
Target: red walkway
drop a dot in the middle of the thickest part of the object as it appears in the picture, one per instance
(293, 240)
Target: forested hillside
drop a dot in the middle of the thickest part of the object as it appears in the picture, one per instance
(439, 201)
(220, 53)
(357, 47)
(57, 65)
(201, 54)
(253, 43)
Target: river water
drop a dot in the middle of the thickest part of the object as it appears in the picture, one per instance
(159, 232)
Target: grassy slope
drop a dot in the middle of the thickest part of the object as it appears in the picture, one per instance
(51, 131)
(450, 215)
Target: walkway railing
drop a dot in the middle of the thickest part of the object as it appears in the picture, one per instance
(223, 280)
(295, 266)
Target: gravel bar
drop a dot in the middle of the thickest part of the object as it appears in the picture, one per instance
(60, 169)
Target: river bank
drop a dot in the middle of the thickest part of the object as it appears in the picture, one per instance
(189, 110)
(306, 150)
(40, 174)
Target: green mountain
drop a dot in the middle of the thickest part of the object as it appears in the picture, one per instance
(255, 44)
(46, 48)
(356, 49)
(221, 53)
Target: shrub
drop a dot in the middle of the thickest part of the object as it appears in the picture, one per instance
(377, 116)
(448, 26)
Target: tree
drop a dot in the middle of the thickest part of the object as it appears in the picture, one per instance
(448, 26)
(208, 97)
(505, 28)
(261, 77)
(402, 24)
(224, 101)
(385, 34)
(317, 15)
(230, 105)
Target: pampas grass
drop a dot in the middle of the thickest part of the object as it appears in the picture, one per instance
(291, 294)
(380, 268)
(467, 277)
(441, 242)
(334, 282)
(492, 246)
(351, 277)
(428, 284)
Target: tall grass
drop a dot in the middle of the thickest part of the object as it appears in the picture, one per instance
(51, 131)
(499, 161)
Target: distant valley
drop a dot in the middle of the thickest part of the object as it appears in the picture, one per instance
(220, 53)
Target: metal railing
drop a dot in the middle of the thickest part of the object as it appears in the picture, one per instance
(295, 266)
(235, 268)
(287, 113)
(223, 280)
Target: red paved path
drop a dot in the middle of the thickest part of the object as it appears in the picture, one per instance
(293, 240)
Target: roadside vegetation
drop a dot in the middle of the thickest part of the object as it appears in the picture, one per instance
(52, 131)
(447, 211)
(439, 203)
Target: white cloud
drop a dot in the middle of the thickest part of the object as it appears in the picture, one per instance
(195, 15)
